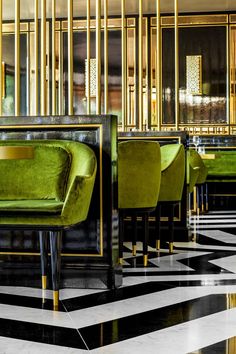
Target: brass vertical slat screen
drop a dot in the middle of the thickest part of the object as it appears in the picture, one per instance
(52, 58)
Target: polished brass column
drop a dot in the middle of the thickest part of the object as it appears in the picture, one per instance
(124, 65)
(105, 56)
(53, 58)
(176, 67)
(36, 57)
(87, 84)
(1, 71)
(70, 57)
(17, 57)
(98, 56)
(140, 52)
(158, 65)
(43, 59)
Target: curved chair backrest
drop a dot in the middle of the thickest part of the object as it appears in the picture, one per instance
(195, 160)
(139, 174)
(52, 188)
(172, 172)
(192, 173)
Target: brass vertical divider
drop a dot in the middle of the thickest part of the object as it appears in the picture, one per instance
(98, 56)
(140, 51)
(60, 83)
(36, 55)
(105, 56)
(124, 65)
(1, 71)
(70, 57)
(53, 58)
(176, 66)
(88, 58)
(228, 79)
(28, 59)
(158, 65)
(43, 59)
(17, 57)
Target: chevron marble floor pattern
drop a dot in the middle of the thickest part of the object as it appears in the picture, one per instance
(184, 303)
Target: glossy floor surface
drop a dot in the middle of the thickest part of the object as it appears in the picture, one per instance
(181, 303)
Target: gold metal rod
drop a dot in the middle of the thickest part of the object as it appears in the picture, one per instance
(140, 65)
(17, 57)
(70, 57)
(124, 65)
(176, 67)
(53, 58)
(158, 65)
(60, 83)
(36, 55)
(2, 83)
(88, 59)
(43, 58)
(98, 56)
(105, 56)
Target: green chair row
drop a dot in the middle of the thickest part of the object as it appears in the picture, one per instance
(149, 176)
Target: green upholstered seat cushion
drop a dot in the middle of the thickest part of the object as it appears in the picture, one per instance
(42, 177)
(32, 206)
(195, 160)
(173, 172)
(139, 172)
(222, 167)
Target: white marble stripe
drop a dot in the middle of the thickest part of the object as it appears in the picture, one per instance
(171, 262)
(212, 212)
(219, 235)
(200, 217)
(37, 293)
(141, 304)
(206, 279)
(198, 246)
(13, 346)
(216, 226)
(180, 339)
(210, 221)
(27, 314)
(228, 263)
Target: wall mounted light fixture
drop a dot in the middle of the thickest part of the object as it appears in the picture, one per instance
(194, 74)
(92, 77)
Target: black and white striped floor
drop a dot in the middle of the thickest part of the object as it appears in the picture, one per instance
(181, 303)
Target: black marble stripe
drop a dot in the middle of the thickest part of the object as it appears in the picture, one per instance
(136, 325)
(198, 264)
(119, 294)
(28, 301)
(39, 333)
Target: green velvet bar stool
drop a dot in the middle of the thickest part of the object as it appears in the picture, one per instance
(196, 162)
(171, 189)
(139, 174)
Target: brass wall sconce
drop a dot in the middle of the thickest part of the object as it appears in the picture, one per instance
(194, 74)
(92, 83)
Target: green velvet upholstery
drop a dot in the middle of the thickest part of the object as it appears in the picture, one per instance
(139, 173)
(54, 188)
(195, 160)
(172, 172)
(192, 173)
(223, 167)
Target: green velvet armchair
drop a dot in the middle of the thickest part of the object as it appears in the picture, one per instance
(48, 190)
(139, 174)
(199, 170)
(171, 188)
